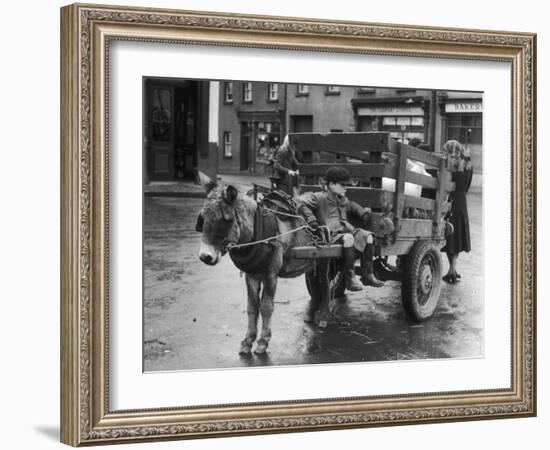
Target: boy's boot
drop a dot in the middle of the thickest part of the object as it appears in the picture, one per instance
(367, 272)
(352, 283)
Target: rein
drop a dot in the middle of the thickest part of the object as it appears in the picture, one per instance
(232, 246)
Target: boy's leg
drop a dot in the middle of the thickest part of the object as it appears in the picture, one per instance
(352, 283)
(367, 269)
(364, 242)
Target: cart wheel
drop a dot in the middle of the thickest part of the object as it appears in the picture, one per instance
(422, 280)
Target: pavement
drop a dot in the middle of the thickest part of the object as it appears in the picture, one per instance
(195, 315)
(195, 190)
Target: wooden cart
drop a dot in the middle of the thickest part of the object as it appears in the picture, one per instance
(419, 226)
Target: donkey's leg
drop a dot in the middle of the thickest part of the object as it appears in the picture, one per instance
(253, 286)
(266, 309)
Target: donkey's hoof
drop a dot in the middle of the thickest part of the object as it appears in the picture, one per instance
(261, 347)
(246, 347)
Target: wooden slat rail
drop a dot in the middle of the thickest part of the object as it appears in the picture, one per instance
(365, 172)
(358, 171)
(371, 197)
(426, 181)
(415, 228)
(426, 204)
(312, 252)
(378, 198)
(354, 145)
(415, 154)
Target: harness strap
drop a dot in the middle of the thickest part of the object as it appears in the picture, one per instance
(232, 246)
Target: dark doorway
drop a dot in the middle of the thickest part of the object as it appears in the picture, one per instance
(247, 131)
(170, 129)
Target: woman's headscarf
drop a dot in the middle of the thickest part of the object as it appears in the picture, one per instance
(458, 156)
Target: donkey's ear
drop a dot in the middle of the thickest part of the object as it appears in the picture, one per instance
(205, 181)
(230, 194)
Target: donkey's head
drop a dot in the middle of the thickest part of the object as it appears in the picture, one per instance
(223, 220)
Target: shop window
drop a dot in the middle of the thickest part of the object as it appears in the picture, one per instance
(273, 92)
(247, 92)
(228, 92)
(466, 129)
(404, 128)
(268, 141)
(227, 141)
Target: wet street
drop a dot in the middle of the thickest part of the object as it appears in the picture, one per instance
(195, 315)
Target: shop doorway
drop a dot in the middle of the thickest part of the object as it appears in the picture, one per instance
(170, 129)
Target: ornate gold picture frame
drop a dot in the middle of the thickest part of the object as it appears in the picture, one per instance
(87, 32)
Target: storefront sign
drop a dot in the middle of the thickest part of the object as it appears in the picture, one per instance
(389, 110)
(463, 107)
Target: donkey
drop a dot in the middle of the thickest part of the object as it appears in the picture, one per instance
(227, 220)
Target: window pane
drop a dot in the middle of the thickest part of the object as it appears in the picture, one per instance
(458, 134)
(228, 92)
(227, 143)
(467, 121)
(273, 91)
(478, 121)
(454, 120)
(403, 121)
(247, 92)
(417, 121)
(475, 136)
(388, 121)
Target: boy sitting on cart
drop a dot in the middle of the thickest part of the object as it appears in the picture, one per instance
(332, 209)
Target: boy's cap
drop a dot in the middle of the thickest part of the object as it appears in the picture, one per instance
(337, 175)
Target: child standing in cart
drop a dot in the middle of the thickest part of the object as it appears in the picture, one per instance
(333, 209)
(285, 169)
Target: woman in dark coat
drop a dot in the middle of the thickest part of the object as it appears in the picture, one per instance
(458, 162)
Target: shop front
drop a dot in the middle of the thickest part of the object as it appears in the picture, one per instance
(261, 135)
(175, 131)
(405, 119)
(462, 120)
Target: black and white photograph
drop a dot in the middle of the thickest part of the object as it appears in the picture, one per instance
(294, 224)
